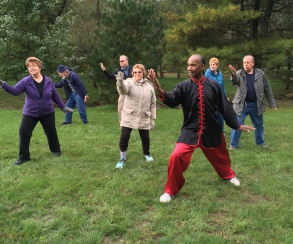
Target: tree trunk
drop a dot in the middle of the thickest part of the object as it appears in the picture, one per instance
(289, 72)
(178, 73)
(264, 25)
(161, 72)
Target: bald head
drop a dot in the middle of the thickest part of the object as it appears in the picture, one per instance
(248, 64)
(197, 57)
(195, 66)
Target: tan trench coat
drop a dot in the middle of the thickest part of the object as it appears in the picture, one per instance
(139, 109)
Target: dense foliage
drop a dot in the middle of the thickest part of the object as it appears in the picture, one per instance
(159, 34)
(33, 28)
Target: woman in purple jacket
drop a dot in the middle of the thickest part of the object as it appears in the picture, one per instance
(40, 93)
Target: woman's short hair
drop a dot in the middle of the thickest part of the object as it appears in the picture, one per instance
(214, 60)
(34, 60)
(140, 66)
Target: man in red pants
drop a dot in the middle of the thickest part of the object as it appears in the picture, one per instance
(202, 101)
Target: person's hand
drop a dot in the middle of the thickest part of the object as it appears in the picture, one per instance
(152, 124)
(2, 82)
(86, 97)
(67, 110)
(120, 76)
(246, 128)
(153, 79)
(151, 73)
(232, 69)
(103, 66)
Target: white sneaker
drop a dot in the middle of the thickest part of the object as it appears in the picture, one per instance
(235, 181)
(165, 198)
(149, 158)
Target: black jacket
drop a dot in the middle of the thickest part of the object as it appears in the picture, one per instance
(76, 83)
(113, 74)
(202, 104)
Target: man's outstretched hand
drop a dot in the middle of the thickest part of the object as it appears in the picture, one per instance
(232, 69)
(153, 79)
(246, 128)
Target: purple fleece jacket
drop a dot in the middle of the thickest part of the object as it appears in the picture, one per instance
(35, 105)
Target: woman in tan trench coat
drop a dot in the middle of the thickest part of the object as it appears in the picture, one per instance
(139, 110)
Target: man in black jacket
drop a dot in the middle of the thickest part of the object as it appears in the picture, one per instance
(202, 101)
(127, 70)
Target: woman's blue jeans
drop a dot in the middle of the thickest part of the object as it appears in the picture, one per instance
(257, 121)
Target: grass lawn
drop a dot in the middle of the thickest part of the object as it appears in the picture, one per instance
(80, 197)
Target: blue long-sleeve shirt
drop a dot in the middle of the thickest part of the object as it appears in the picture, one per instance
(219, 78)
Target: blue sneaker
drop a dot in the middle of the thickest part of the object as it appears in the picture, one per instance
(120, 164)
(149, 158)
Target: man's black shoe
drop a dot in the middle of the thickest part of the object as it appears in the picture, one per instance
(65, 123)
(21, 161)
(56, 154)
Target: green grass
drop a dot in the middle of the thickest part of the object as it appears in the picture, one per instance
(80, 197)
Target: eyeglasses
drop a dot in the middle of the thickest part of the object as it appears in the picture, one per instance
(120, 61)
(137, 72)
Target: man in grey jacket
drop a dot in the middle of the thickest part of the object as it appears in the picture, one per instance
(252, 86)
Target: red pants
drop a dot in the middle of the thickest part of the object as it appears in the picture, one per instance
(180, 159)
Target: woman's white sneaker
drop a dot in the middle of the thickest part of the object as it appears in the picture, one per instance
(235, 181)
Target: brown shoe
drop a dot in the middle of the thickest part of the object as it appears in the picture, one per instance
(264, 146)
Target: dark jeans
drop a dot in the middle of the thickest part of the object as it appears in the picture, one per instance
(144, 136)
(27, 126)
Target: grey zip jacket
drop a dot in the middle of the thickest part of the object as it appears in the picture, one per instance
(262, 89)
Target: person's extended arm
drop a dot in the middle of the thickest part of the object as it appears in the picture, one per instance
(57, 99)
(60, 84)
(122, 85)
(156, 84)
(153, 109)
(2, 83)
(112, 75)
(234, 77)
(13, 90)
(246, 128)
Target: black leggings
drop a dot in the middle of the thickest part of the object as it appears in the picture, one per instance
(144, 136)
(27, 126)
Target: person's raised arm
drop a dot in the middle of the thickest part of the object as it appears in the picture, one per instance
(155, 82)
(2, 82)
(102, 66)
(232, 69)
